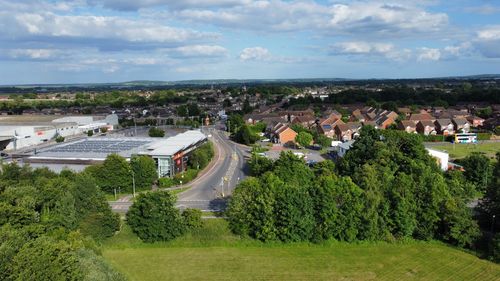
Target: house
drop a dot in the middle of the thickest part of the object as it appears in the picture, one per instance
(444, 127)
(441, 157)
(384, 121)
(342, 148)
(371, 123)
(347, 131)
(306, 120)
(461, 125)
(283, 135)
(416, 117)
(426, 127)
(408, 126)
(356, 115)
(405, 111)
(475, 121)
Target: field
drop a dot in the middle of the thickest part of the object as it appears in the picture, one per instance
(462, 150)
(213, 253)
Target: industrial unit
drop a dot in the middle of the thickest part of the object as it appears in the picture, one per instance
(26, 130)
(170, 154)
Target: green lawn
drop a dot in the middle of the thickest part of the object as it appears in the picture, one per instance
(213, 253)
(462, 150)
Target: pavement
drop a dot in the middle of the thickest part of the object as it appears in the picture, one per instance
(211, 189)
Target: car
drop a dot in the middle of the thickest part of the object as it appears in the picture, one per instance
(262, 154)
(266, 140)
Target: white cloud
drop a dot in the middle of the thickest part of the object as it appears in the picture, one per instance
(201, 51)
(48, 24)
(487, 41)
(37, 54)
(134, 5)
(255, 54)
(367, 17)
(359, 48)
(429, 54)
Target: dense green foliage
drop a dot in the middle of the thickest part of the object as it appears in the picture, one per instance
(153, 217)
(155, 132)
(304, 139)
(477, 170)
(200, 158)
(192, 218)
(386, 187)
(47, 222)
(114, 174)
(145, 172)
(489, 209)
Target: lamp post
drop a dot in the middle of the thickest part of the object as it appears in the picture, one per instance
(133, 183)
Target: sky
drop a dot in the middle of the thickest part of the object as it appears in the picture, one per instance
(99, 41)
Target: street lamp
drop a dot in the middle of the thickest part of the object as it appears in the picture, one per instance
(133, 182)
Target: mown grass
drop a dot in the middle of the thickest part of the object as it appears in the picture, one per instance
(458, 151)
(213, 253)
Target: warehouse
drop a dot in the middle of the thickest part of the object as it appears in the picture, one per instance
(170, 154)
(30, 130)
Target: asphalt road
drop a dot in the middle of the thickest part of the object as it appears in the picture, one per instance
(209, 192)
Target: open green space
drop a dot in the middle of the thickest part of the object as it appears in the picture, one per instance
(462, 150)
(213, 253)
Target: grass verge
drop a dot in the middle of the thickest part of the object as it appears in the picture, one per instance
(214, 253)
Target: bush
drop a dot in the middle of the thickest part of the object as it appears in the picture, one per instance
(59, 139)
(103, 130)
(156, 133)
(90, 133)
(166, 182)
(154, 217)
(192, 218)
(100, 225)
(483, 136)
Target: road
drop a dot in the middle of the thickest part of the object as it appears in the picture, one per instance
(210, 190)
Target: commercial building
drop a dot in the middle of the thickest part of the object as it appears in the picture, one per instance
(28, 130)
(170, 154)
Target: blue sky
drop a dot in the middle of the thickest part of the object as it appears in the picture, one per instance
(84, 41)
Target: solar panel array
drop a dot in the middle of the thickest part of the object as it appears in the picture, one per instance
(99, 146)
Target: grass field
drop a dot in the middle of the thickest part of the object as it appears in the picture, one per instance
(462, 150)
(213, 253)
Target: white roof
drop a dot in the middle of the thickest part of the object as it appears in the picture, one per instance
(175, 144)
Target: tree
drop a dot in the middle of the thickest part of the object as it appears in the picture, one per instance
(104, 130)
(59, 139)
(304, 139)
(477, 170)
(114, 173)
(145, 171)
(245, 136)
(90, 133)
(46, 259)
(154, 217)
(323, 140)
(155, 132)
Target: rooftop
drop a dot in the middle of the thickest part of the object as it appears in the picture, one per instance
(98, 148)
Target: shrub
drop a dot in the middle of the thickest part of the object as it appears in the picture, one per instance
(153, 217)
(192, 218)
(483, 136)
(156, 133)
(59, 139)
(90, 133)
(166, 182)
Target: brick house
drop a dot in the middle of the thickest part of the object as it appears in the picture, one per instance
(347, 131)
(426, 127)
(408, 126)
(283, 134)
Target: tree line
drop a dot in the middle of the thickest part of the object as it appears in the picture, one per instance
(386, 187)
(49, 224)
